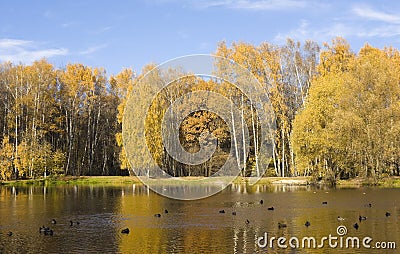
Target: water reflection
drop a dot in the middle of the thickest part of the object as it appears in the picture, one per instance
(189, 226)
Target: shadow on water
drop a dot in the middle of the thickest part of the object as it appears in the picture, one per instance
(190, 226)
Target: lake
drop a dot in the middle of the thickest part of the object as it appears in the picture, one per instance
(196, 226)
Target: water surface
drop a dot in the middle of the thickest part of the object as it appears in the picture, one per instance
(190, 226)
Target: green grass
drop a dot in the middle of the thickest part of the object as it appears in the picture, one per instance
(388, 182)
(84, 180)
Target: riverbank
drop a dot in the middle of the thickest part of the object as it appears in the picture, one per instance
(389, 182)
(101, 180)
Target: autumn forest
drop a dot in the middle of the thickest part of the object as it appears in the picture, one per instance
(337, 115)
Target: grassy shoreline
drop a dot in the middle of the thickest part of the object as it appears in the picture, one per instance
(389, 182)
(75, 180)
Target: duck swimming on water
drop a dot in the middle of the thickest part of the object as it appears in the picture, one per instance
(46, 230)
(125, 231)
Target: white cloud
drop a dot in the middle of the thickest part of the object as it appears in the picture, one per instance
(25, 51)
(309, 31)
(11, 43)
(240, 4)
(92, 49)
(320, 34)
(69, 24)
(381, 31)
(305, 32)
(262, 4)
(100, 30)
(371, 14)
(339, 29)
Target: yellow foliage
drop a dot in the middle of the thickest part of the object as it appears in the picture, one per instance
(350, 121)
(6, 159)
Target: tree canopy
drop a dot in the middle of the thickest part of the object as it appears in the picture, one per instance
(350, 123)
(337, 115)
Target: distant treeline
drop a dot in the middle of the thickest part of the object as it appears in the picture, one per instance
(337, 115)
(57, 121)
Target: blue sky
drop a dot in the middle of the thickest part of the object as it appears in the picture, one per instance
(119, 34)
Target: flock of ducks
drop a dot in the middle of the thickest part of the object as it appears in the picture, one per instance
(48, 231)
(307, 223)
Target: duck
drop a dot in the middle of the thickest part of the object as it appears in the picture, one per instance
(125, 231)
(307, 224)
(324, 202)
(261, 202)
(71, 223)
(270, 208)
(222, 211)
(10, 233)
(234, 213)
(387, 214)
(53, 221)
(281, 225)
(165, 211)
(247, 221)
(340, 218)
(43, 229)
(157, 215)
(356, 226)
(48, 232)
(361, 218)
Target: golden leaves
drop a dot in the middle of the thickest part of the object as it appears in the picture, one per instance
(351, 112)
